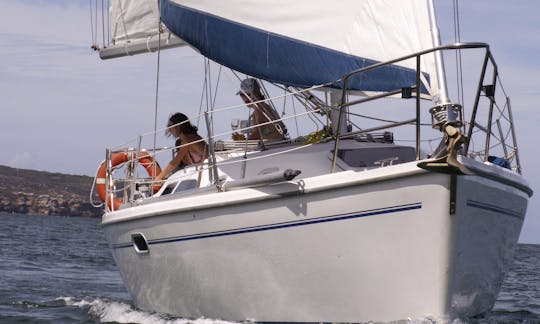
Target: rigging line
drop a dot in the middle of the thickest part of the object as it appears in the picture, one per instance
(108, 24)
(429, 140)
(91, 22)
(202, 94)
(354, 124)
(295, 119)
(299, 95)
(103, 21)
(208, 85)
(273, 98)
(215, 98)
(95, 23)
(157, 88)
(305, 98)
(308, 112)
(217, 86)
(312, 99)
(459, 62)
(260, 124)
(209, 101)
(236, 75)
(283, 111)
(96, 20)
(501, 112)
(207, 82)
(315, 119)
(368, 117)
(263, 86)
(501, 86)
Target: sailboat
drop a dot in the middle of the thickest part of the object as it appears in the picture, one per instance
(343, 223)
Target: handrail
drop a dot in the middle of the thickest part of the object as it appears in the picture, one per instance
(410, 56)
(345, 80)
(212, 164)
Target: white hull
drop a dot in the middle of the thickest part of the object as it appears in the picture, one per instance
(375, 245)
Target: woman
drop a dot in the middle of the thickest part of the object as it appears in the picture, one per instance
(180, 128)
(250, 92)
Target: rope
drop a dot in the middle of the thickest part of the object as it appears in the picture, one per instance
(92, 189)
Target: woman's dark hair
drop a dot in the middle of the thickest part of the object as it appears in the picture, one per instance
(184, 124)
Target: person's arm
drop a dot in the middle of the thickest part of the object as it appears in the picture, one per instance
(256, 119)
(175, 162)
(264, 113)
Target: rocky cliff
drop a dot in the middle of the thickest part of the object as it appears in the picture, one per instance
(44, 193)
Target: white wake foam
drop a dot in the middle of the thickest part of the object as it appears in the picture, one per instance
(111, 311)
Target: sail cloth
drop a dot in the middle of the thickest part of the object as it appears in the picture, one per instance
(135, 28)
(309, 42)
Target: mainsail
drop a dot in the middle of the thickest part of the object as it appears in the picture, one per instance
(310, 42)
(134, 28)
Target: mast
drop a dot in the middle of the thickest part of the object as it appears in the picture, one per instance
(335, 103)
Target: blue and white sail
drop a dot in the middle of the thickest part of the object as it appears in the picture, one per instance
(134, 28)
(310, 42)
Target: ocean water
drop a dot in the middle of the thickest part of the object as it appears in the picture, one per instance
(60, 270)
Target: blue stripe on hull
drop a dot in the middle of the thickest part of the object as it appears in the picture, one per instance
(274, 57)
(268, 227)
(495, 209)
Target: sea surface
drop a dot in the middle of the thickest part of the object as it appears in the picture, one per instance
(60, 270)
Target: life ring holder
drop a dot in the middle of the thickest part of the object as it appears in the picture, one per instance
(117, 158)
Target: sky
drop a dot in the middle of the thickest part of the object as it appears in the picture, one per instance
(62, 106)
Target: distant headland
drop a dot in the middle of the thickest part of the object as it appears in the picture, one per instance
(44, 193)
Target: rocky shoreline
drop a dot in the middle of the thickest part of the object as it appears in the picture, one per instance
(44, 193)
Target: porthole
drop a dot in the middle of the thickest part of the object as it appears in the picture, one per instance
(139, 243)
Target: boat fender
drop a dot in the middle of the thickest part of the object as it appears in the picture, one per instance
(290, 174)
(146, 160)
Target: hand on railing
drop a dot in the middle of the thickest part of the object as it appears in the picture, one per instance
(238, 137)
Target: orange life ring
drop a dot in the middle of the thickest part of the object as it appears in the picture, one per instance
(117, 158)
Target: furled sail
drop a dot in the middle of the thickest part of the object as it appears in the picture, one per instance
(310, 42)
(135, 28)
